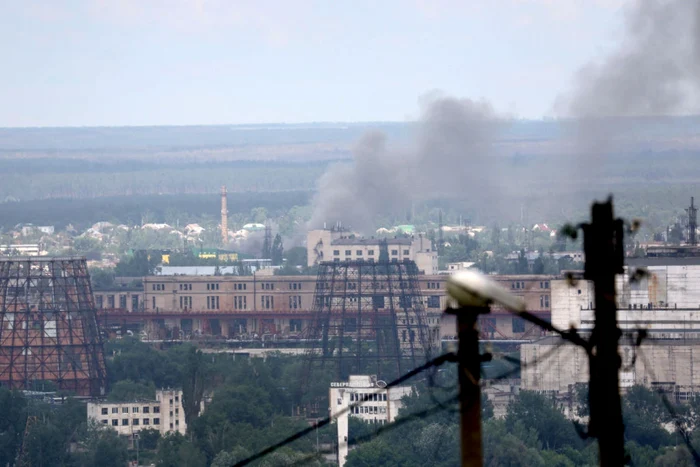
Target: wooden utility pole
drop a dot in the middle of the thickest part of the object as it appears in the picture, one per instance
(469, 361)
(604, 250)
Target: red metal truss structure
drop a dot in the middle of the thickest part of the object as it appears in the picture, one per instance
(369, 318)
(48, 325)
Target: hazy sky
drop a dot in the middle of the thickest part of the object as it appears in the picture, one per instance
(157, 62)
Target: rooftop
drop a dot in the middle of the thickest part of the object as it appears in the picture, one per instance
(371, 241)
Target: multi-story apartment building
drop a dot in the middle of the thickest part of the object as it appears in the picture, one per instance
(164, 414)
(339, 245)
(366, 398)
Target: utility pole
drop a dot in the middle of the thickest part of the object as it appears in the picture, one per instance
(604, 250)
(469, 367)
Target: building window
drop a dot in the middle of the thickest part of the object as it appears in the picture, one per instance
(434, 301)
(98, 302)
(135, 421)
(110, 301)
(214, 286)
(518, 325)
(394, 252)
(115, 410)
(294, 302)
(185, 301)
(295, 325)
(125, 409)
(156, 421)
(348, 252)
(405, 252)
(177, 398)
(135, 409)
(115, 422)
(146, 421)
(125, 421)
(154, 303)
(267, 302)
(156, 409)
(544, 301)
(358, 252)
(370, 252)
(134, 302)
(212, 302)
(146, 409)
(240, 302)
(105, 411)
(336, 252)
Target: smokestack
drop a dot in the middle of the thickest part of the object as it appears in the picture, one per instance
(224, 217)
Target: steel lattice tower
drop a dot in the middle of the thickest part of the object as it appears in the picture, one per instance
(369, 318)
(48, 326)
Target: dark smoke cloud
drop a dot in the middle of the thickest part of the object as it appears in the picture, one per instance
(450, 157)
(654, 71)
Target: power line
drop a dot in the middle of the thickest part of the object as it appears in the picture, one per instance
(448, 357)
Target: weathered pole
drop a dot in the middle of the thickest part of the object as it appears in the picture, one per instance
(469, 361)
(604, 250)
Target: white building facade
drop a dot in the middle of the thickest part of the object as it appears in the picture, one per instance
(165, 414)
(339, 245)
(368, 399)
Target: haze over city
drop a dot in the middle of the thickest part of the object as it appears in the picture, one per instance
(398, 233)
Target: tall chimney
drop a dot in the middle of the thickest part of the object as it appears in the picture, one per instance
(224, 217)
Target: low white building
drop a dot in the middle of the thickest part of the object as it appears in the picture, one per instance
(368, 399)
(164, 414)
(340, 245)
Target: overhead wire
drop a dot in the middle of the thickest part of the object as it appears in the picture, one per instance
(447, 357)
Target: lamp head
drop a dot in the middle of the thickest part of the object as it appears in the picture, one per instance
(471, 288)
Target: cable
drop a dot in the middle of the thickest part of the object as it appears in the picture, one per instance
(448, 357)
(672, 411)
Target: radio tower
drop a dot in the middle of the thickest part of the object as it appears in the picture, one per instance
(224, 217)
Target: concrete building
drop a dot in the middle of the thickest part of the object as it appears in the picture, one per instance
(340, 245)
(556, 367)
(18, 249)
(252, 307)
(368, 399)
(665, 303)
(164, 414)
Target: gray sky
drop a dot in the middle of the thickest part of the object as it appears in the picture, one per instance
(161, 62)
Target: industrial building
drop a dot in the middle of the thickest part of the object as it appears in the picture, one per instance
(340, 245)
(664, 302)
(164, 414)
(554, 366)
(246, 307)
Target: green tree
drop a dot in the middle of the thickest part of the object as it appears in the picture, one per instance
(193, 380)
(277, 251)
(13, 418)
(127, 391)
(104, 447)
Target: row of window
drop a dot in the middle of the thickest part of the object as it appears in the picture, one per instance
(186, 286)
(434, 285)
(294, 302)
(295, 286)
(213, 286)
(240, 302)
(213, 302)
(185, 301)
(158, 286)
(267, 302)
(99, 302)
(144, 409)
(267, 286)
(369, 252)
(136, 422)
(363, 396)
(368, 410)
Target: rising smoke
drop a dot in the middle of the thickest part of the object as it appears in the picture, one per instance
(654, 71)
(450, 157)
